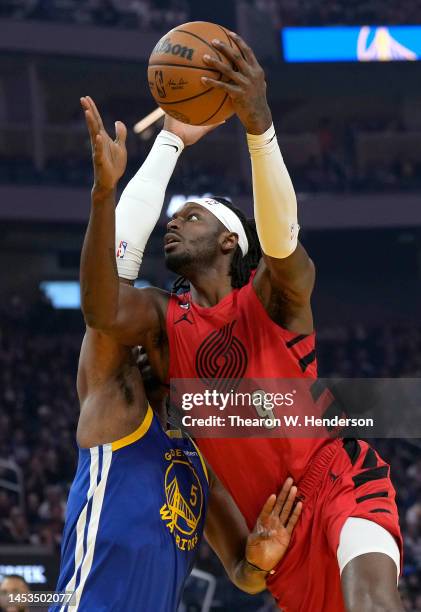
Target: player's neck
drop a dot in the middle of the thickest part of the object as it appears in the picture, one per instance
(210, 288)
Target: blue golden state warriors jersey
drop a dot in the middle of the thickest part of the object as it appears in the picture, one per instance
(134, 520)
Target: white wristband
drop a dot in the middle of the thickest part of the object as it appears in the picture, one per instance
(275, 202)
(141, 203)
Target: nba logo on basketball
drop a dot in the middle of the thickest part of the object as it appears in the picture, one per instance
(121, 249)
(159, 82)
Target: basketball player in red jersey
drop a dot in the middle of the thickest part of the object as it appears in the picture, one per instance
(249, 316)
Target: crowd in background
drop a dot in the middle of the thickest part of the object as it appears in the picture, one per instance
(334, 166)
(339, 12)
(39, 349)
(159, 15)
(164, 14)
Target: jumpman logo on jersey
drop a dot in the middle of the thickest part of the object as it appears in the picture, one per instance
(184, 317)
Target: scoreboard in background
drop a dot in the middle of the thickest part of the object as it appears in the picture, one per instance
(38, 566)
(352, 44)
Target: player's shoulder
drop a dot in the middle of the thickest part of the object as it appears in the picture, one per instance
(146, 296)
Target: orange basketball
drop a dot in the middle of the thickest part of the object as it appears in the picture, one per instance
(175, 67)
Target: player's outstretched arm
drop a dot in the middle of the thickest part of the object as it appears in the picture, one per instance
(249, 558)
(121, 311)
(141, 202)
(286, 267)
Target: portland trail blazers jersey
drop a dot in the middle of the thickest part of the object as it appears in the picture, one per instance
(237, 339)
(135, 516)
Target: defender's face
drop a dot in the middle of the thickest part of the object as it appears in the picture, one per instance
(191, 239)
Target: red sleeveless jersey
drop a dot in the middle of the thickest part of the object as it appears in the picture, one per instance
(249, 345)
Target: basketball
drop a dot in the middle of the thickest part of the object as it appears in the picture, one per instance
(176, 66)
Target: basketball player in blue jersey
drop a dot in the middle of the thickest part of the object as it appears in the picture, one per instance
(142, 497)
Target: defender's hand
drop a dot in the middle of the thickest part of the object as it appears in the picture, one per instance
(246, 84)
(189, 134)
(269, 540)
(109, 156)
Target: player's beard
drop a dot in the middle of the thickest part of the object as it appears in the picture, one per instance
(188, 262)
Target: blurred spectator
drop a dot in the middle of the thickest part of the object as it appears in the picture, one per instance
(339, 12)
(13, 585)
(359, 156)
(143, 14)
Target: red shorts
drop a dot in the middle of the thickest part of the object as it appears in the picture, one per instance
(346, 478)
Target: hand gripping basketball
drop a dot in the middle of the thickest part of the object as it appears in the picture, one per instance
(244, 83)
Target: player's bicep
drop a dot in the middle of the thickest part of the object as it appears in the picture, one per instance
(293, 276)
(225, 529)
(101, 356)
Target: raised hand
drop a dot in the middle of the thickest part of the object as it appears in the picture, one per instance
(245, 83)
(109, 156)
(189, 134)
(269, 540)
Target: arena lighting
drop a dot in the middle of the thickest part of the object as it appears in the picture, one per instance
(66, 294)
(352, 44)
(62, 294)
(31, 573)
(178, 200)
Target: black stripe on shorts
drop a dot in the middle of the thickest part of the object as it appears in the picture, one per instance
(295, 340)
(306, 360)
(371, 496)
(370, 460)
(353, 449)
(375, 474)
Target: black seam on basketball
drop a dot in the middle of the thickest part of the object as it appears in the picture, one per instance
(232, 46)
(225, 32)
(204, 68)
(187, 99)
(201, 40)
(380, 510)
(217, 110)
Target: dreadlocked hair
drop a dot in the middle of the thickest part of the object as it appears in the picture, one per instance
(241, 267)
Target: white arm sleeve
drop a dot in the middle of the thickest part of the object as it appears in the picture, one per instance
(275, 202)
(141, 203)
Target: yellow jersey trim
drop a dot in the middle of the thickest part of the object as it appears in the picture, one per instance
(174, 433)
(137, 434)
(202, 461)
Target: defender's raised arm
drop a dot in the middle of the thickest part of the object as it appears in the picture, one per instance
(98, 272)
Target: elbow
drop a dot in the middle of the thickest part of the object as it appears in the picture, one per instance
(96, 321)
(99, 323)
(95, 315)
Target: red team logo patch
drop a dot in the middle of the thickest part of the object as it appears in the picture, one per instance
(221, 355)
(121, 251)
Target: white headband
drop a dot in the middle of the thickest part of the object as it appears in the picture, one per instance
(228, 218)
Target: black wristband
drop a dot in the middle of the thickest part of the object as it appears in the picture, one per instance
(259, 569)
